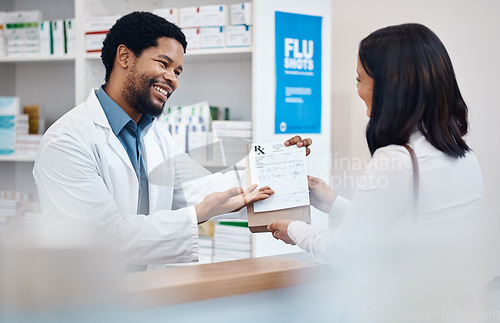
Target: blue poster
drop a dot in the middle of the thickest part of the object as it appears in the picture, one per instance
(298, 73)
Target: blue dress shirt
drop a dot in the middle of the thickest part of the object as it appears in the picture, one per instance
(130, 134)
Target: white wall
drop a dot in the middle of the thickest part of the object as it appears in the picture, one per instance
(470, 30)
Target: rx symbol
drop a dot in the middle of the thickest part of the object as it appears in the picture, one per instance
(259, 150)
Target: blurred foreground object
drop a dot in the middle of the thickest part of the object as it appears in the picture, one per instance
(38, 276)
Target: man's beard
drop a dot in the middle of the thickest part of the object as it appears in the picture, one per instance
(137, 92)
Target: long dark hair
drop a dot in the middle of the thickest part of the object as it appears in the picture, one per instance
(414, 88)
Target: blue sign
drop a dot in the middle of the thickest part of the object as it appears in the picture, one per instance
(298, 73)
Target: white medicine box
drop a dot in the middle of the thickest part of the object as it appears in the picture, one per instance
(58, 39)
(93, 42)
(193, 37)
(23, 16)
(215, 15)
(95, 29)
(212, 37)
(10, 105)
(189, 17)
(3, 43)
(239, 36)
(45, 30)
(241, 14)
(170, 14)
(69, 29)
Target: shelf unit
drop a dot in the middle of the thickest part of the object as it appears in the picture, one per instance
(240, 78)
(224, 52)
(18, 158)
(48, 81)
(24, 59)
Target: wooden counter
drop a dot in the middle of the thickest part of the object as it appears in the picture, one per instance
(181, 284)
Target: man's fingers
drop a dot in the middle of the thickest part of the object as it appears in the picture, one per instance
(259, 196)
(266, 190)
(252, 194)
(264, 193)
(297, 140)
(251, 188)
(251, 191)
(293, 141)
(235, 191)
(307, 142)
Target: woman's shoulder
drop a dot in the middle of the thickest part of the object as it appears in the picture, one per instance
(398, 156)
(426, 153)
(391, 155)
(418, 143)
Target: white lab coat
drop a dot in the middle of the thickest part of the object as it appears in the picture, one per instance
(84, 176)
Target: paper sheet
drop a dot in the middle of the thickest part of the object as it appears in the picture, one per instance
(284, 170)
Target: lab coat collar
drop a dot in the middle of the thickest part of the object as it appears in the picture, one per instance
(96, 110)
(100, 119)
(116, 116)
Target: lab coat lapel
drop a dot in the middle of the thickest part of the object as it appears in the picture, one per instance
(117, 146)
(100, 119)
(148, 148)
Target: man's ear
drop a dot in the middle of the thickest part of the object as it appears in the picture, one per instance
(123, 56)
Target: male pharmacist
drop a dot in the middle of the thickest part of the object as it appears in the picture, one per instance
(107, 165)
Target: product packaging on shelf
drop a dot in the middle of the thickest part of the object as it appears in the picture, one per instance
(193, 37)
(10, 105)
(170, 14)
(95, 29)
(3, 44)
(189, 17)
(212, 37)
(58, 36)
(239, 36)
(241, 14)
(232, 241)
(70, 33)
(21, 32)
(213, 16)
(45, 34)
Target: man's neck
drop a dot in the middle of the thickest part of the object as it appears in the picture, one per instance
(116, 96)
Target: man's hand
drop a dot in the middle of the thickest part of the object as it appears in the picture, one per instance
(297, 140)
(321, 195)
(280, 231)
(231, 200)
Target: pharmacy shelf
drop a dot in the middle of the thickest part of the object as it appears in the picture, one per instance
(23, 59)
(198, 52)
(17, 158)
(219, 54)
(212, 51)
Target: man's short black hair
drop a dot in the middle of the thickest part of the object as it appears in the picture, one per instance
(138, 31)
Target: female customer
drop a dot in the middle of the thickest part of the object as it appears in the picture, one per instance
(406, 79)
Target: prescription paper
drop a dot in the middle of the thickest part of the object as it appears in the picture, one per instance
(284, 170)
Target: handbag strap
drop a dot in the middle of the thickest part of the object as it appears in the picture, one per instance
(415, 182)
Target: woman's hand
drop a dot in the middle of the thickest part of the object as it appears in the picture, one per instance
(231, 200)
(321, 195)
(280, 231)
(297, 140)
